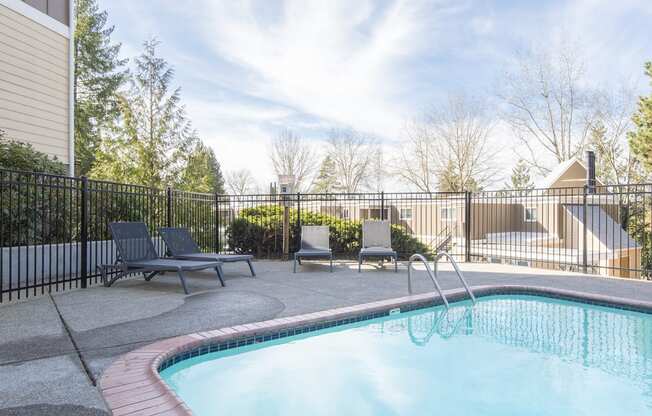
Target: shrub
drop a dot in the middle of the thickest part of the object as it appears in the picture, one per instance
(16, 155)
(259, 231)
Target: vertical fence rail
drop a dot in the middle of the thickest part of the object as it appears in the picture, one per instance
(298, 225)
(54, 229)
(585, 245)
(83, 233)
(467, 227)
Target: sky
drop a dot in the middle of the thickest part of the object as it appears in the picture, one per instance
(249, 69)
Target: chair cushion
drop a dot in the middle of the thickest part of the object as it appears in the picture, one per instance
(377, 251)
(313, 252)
(172, 264)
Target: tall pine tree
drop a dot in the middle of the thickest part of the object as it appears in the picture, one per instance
(98, 76)
(640, 140)
(326, 180)
(149, 144)
(521, 177)
(202, 171)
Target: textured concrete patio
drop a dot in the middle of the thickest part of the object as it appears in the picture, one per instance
(54, 348)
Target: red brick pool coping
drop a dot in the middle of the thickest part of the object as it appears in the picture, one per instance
(132, 386)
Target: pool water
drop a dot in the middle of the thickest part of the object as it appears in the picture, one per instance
(507, 355)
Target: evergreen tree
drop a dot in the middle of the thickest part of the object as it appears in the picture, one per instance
(450, 180)
(640, 140)
(521, 177)
(202, 172)
(153, 135)
(615, 164)
(97, 80)
(326, 180)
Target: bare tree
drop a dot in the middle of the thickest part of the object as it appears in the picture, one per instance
(241, 182)
(416, 163)
(291, 156)
(352, 155)
(462, 130)
(546, 105)
(378, 170)
(450, 149)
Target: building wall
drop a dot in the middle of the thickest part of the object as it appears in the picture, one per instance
(34, 78)
(56, 9)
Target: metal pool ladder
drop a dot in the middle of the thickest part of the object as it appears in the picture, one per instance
(433, 276)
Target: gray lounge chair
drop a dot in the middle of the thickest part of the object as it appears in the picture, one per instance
(314, 244)
(377, 242)
(136, 254)
(182, 246)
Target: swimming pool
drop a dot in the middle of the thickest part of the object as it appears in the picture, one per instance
(507, 355)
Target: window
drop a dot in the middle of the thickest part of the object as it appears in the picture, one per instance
(447, 214)
(406, 214)
(374, 214)
(530, 214)
(345, 213)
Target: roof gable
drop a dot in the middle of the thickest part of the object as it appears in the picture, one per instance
(572, 170)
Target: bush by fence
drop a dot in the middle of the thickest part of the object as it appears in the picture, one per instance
(258, 231)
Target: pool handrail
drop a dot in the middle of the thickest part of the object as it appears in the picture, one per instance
(422, 259)
(433, 275)
(457, 271)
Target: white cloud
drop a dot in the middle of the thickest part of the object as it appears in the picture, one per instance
(250, 68)
(337, 60)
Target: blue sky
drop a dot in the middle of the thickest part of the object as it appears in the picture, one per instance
(249, 69)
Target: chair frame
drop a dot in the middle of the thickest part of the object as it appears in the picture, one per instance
(365, 253)
(150, 264)
(308, 252)
(193, 252)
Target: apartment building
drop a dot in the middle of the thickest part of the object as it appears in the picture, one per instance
(36, 72)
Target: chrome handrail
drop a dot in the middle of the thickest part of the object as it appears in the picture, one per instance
(433, 276)
(457, 270)
(430, 274)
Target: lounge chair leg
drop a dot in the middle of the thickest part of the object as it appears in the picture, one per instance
(220, 273)
(183, 281)
(109, 282)
(251, 267)
(149, 277)
(102, 271)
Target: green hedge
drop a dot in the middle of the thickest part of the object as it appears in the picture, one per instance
(259, 231)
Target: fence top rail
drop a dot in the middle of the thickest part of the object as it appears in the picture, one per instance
(36, 174)
(565, 190)
(534, 192)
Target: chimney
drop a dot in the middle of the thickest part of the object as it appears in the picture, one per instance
(590, 171)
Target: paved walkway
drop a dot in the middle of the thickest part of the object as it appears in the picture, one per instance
(53, 348)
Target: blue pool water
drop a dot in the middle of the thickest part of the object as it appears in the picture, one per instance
(507, 355)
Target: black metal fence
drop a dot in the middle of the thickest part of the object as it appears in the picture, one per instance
(54, 229)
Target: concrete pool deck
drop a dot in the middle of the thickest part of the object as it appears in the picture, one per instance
(53, 349)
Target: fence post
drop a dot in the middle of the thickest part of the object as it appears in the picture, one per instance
(585, 253)
(168, 219)
(83, 234)
(382, 205)
(467, 227)
(298, 219)
(217, 223)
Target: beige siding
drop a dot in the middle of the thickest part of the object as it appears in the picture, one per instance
(33, 84)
